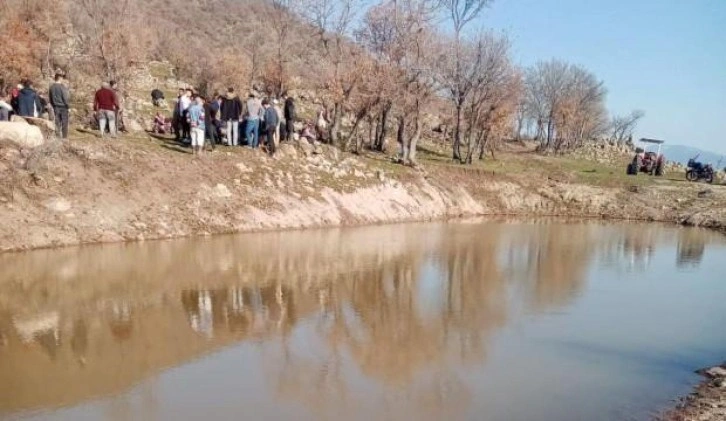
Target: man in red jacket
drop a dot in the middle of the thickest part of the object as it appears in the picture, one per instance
(105, 107)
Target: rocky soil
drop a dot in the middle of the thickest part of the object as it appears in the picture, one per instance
(707, 402)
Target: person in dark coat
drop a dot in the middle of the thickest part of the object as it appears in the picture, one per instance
(28, 101)
(231, 110)
(270, 126)
(60, 100)
(157, 96)
(289, 111)
(211, 115)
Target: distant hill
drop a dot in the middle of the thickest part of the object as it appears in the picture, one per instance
(681, 153)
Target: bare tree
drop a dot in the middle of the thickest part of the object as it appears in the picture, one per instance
(460, 13)
(622, 127)
(114, 32)
(567, 102)
(332, 20)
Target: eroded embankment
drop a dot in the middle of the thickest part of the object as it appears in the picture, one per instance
(89, 191)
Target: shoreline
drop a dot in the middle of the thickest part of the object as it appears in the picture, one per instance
(88, 192)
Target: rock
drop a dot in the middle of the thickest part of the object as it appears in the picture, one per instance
(381, 175)
(45, 126)
(705, 193)
(716, 372)
(133, 125)
(634, 189)
(287, 150)
(317, 148)
(220, 190)
(21, 134)
(58, 204)
(306, 147)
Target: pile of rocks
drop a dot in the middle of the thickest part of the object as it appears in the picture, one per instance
(605, 151)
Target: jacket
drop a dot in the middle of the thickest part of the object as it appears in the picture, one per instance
(28, 103)
(231, 108)
(290, 110)
(254, 109)
(59, 95)
(105, 100)
(271, 119)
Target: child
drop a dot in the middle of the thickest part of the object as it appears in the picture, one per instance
(159, 124)
(195, 118)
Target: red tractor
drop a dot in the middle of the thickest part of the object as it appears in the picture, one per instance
(649, 162)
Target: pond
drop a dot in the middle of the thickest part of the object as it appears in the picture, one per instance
(473, 320)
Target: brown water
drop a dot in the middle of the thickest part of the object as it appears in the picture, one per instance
(470, 320)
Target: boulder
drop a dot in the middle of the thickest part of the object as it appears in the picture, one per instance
(306, 147)
(133, 126)
(21, 134)
(45, 126)
(58, 204)
(221, 191)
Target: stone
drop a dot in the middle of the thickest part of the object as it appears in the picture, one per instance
(220, 190)
(58, 204)
(133, 126)
(287, 150)
(45, 126)
(716, 372)
(306, 147)
(21, 134)
(705, 193)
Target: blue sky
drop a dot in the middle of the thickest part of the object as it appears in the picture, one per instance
(666, 57)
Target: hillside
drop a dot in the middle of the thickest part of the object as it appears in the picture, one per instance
(681, 154)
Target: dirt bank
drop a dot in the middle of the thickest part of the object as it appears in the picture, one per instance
(88, 190)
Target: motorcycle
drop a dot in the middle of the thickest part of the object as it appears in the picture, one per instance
(698, 171)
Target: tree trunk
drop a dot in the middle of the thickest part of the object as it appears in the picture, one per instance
(335, 124)
(410, 157)
(401, 139)
(457, 135)
(381, 141)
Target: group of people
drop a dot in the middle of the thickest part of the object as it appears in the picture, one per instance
(25, 101)
(220, 119)
(196, 121)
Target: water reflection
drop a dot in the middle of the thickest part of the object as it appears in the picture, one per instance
(403, 304)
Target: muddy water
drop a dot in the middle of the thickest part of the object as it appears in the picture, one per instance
(471, 320)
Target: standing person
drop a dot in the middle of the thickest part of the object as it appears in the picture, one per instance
(196, 120)
(177, 117)
(28, 101)
(5, 108)
(289, 116)
(280, 120)
(120, 126)
(270, 124)
(253, 114)
(105, 106)
(231, 110)
(60, 100)
(211, 114)
(14, 97)
(184, 103)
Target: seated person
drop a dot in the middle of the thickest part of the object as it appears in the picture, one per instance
(160, 124)
(309, 132)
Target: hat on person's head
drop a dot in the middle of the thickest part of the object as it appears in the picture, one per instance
(275, 101)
